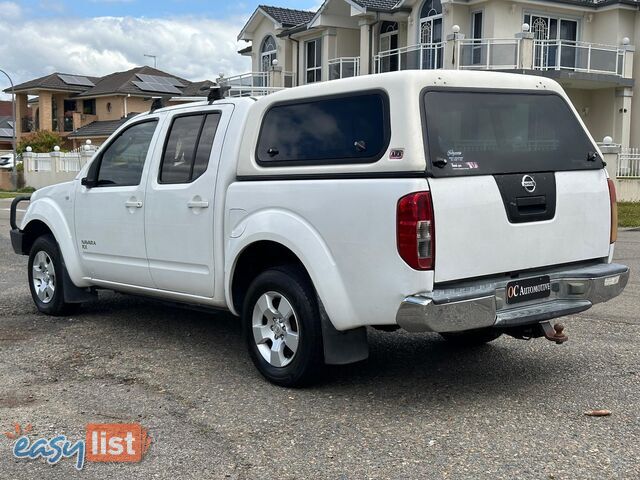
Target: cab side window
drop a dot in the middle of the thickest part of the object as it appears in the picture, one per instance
(188, 147)
(122, 162)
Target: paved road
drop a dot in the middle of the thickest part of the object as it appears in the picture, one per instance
(415, 409)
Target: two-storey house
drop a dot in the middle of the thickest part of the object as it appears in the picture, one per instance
(586, 45)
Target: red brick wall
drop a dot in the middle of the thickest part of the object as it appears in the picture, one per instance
(5, 109)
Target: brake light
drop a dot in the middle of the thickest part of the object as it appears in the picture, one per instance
(613, 200)
(416, 230)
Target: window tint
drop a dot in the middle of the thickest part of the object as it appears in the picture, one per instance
(335, 130)
(482, 133)
(122, 162)
(188, 148)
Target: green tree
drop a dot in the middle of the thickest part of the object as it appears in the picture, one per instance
(41, 142)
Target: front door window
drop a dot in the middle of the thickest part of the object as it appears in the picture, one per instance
(555, 45)
(431, 35)
(389, 46)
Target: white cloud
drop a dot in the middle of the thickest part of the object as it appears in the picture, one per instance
(10, 10)
(192, 48)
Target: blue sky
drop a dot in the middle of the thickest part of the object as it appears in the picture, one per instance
(193, 39)
(153, 9)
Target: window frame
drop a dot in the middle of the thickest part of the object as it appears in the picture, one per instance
(386, 131)
(203, 114)
(93, 102)
(318, 42)
(94, 168)
(429, 167)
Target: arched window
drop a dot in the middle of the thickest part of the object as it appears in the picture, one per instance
(388, 27)
(268, 52)
(430, 8)
(431, 22)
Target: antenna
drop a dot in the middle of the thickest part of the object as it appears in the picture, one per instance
(155, 59)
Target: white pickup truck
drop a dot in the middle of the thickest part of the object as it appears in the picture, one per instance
(470, 204)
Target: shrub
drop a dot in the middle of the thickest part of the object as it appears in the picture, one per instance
(41, 142)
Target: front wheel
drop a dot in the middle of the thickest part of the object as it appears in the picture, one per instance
(46, 272)
(282, 327)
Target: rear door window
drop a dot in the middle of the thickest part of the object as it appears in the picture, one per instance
(188, 147)
(331, 130)
(484, 133)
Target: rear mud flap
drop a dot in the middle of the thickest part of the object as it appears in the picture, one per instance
(341, 348)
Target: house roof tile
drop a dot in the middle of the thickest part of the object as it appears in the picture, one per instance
(378, 4)
(52, 82)
(288, 17)
(101, 128)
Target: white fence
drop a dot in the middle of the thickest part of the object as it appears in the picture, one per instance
(43, 169)
(628, 163)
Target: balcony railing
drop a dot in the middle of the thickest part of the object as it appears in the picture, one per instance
(255, 84)
(578, 56)
(489, 53)
(424, 56)
(344, 67)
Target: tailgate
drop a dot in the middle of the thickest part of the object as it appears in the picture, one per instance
(517, 182)
(474, 236)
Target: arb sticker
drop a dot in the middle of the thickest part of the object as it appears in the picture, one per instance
(396, 154)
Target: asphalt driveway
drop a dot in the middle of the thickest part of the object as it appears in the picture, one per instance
(416, 409)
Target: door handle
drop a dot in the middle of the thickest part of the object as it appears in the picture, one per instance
(198, 204)
(133, 204)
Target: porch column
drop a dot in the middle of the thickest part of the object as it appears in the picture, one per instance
(45, 100)
(22, 111)
(525, 46)
(622, 112)
(365, 51)
(452, 49)
(276, 79)
(329, 48)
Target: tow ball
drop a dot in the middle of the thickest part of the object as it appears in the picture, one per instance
(554, 333)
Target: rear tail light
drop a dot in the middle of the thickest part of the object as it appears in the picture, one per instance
(416, 234)
(614, 211)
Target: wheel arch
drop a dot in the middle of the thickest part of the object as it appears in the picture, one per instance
(45, 217)
(286, 232)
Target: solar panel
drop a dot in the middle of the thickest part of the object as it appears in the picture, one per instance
(156, 87)
(158, 79)
(76, 80)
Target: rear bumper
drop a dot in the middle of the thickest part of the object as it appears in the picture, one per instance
(483, 304)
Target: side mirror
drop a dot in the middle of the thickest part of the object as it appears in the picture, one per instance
(88, 182)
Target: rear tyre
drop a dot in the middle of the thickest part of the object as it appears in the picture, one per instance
(282, 327)
(472, 338)
(46, 273)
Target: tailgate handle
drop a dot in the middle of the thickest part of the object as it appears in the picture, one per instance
(531, 205)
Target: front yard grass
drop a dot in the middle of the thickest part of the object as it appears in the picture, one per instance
(629, 214)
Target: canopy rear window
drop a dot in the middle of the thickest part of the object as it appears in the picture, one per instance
(485, 133)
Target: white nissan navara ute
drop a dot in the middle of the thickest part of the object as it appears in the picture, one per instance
(471, 204)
